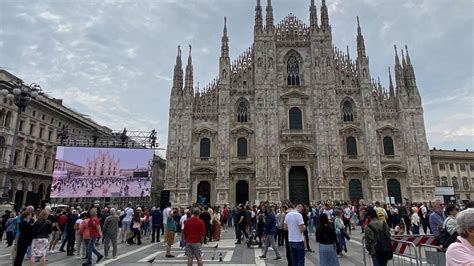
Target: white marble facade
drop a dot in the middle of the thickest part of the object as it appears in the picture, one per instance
(294, 117)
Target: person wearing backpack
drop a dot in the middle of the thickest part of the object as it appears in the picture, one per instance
(377, 239)
(448, 233)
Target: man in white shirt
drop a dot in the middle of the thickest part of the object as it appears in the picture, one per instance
(126, 221)
(166, 214)
(294, 224)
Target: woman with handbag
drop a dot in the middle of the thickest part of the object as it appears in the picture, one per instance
(327, 239)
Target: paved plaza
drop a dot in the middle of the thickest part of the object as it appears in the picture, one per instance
(232, 254)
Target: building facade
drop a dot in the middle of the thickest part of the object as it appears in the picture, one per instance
(28, 181)
(452, 168)
(294, 117)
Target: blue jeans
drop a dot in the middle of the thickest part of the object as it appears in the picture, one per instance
(90, 249)
(297, 253)
(378, 261)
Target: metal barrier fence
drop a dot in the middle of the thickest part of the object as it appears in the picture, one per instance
(431, 256)
(405, 253)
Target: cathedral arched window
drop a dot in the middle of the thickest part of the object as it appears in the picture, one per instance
(351, 146)
(242, 148)
(243, 111)
(347, 111)
(388, 146)
(455, 182)
(293, 69)
(296, 118)
(205, 148)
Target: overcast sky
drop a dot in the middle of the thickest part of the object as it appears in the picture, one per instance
(113, 60)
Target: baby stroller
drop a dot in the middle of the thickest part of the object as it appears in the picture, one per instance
(252, 241)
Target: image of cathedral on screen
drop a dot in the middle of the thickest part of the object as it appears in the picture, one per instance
(294, 117)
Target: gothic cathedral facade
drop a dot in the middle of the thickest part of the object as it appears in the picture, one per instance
(295, 118)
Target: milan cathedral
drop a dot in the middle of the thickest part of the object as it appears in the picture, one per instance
(294, 117)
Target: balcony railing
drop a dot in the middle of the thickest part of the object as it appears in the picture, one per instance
(353, 158)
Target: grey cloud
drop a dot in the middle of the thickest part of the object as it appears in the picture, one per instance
(114, 60)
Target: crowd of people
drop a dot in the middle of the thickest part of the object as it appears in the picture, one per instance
(36, 232)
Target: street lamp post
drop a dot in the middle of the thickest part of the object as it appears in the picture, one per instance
(22, 95)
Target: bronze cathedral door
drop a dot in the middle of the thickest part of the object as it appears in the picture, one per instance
(298, 185)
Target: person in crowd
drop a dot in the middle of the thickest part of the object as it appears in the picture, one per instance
(281, 229)
(170, 232)
(437, 218)
(374, 228)
(230, 220)
(294, 224)
(93, 225)
(261, 224)
(127, 221)
(270, 232)
(225, 217)
(110, 232)
(10, 228)
(70, 233)
(41, 230)
(462, 251)
(424, 218)
(79, 241)
(241, 224)
(182, 223)
(400, 229)
(206, 218)
(136, 229)
(339, 227)
(415, 221)
(56, 235)
(216, 225)
(195, 233)
(306, 223)
(395, 216)
(3, 222)
(156, 223)
(26, 236)
(381, 212)
(346, 217)
(450, 225)
(166, 214)
(146, 223)
(327, 239)
(62, 220)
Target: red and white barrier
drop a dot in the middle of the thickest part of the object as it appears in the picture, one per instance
(400, 246)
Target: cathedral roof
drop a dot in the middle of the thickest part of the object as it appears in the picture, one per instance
(292, 29)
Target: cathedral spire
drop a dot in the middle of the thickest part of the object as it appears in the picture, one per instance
(410, 72)
(258, 18)
(390, 86)
(324, 16)
(269, 18)
(348, 56)
(178, 72)
(313, 16)
(399, 77)
(225, 41)
(189, 73)
(360, 41)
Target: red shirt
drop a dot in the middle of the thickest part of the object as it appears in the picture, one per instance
(193, 230)
(62, 219)
(94, 225)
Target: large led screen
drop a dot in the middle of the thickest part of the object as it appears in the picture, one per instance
(101, 172)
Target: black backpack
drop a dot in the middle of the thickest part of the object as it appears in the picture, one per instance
(383, 243)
